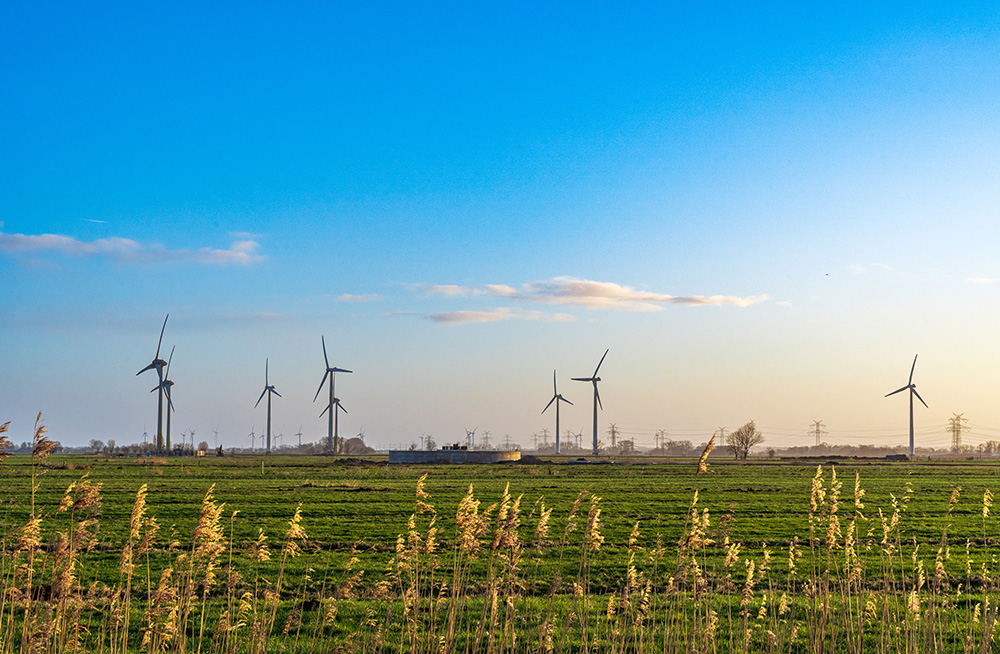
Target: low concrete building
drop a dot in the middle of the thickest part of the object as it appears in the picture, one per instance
(453, 456)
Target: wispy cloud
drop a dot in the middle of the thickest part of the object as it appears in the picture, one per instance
(448, 290)
(125, 250)
(348, 297)
(94, 220)
(981, 280)
(495, 315)
(569, 291)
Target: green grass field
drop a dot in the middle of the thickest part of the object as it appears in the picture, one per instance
(584, 596)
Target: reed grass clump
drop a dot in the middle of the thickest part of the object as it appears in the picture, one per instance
(504, 575)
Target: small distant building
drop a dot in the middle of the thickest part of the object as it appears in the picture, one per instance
(451, 454)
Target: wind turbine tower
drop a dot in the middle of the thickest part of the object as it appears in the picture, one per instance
(164, 387)
(593, 379)
(335, 408)
(332, 436)
(269, 391)
(556, 398)
(913, 391)
(157, 365)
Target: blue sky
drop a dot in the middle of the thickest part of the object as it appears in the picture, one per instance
(764, 212)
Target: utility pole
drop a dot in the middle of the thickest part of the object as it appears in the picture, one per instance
(545, 438)
(956, 425)
(613, 431)
(534, 439)
(506, 442)
(818, 431)
(486, 439)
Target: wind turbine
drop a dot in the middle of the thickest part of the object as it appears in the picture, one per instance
(157, 365)
(557, 398)
(337, 408)
(913, 391)
(593, 379)
(253, 437)
(164, 387)
(470, 438)
(269, 391)
(332, 438)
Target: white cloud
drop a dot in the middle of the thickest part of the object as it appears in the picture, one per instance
(124, 250)
(590, 294)
(348, 297)
(448, 290)
(494, 315)
(981, 280)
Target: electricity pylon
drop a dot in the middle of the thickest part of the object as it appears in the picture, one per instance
(956, 425)
(818, 431)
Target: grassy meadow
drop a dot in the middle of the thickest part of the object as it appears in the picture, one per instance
(301, 554)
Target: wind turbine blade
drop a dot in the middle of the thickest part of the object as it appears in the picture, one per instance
(266, 363)
(340, 370)
(564, 400)
(912, 368)
(581, 379)
(161, 336)
(166, 373)
(918, 397)
(597, 394)
(149, 367)
(325, 359)
(899, 391)
(320, 386)
(341, 407)
(261, 397)
(554, 391)
(550, 403)
(276, 392)
(601, 361)
(170, 403)
(324, 410)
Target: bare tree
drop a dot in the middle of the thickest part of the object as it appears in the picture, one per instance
(96, 445)
(743, 439)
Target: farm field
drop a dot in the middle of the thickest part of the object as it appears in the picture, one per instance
(654, 557)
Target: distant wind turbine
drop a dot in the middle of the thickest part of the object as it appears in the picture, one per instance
(557, 398)
(332, 436)
(470, 438)
(253, 437)
(157, 365)
(164, 387)
(337, 408)
(913, 391)
(269, 391)
(593, 379)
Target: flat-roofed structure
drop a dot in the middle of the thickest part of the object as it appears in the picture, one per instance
(453, 456)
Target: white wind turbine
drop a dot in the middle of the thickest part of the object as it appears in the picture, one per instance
(557, 398)
(332, 436)
(269, 391)
(157, 365)
(913, 391)
(593, 379)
